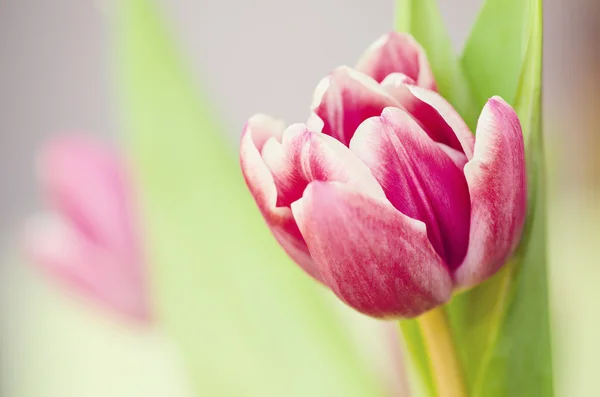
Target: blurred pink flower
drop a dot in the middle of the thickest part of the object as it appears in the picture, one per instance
(384, 195)
(89, 241)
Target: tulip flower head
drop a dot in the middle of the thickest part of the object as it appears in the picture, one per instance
(384, 195)
(88, 242)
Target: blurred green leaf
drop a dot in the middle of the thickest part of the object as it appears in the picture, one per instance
(503, 325)
(420, 376)
(423, 20)
(55, 343)
(248, 322)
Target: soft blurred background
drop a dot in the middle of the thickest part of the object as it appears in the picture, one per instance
(253, 56)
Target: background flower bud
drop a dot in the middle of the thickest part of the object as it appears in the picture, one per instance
(88, 241)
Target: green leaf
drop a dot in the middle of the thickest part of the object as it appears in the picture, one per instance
(247, 321)
(495, 51)
(420, 377)
(502, 326)
(423, 20)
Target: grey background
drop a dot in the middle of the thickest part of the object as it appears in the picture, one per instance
(251, 56)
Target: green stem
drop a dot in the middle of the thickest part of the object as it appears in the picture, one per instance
(445, 366)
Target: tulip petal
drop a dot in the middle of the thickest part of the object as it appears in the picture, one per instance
(399, 86)
(87, 183)
(397, 53)
(257, 132)
(441, 121)
(346, 98)
(419, 179)
(396, 84)
(373, 257)
(95, 272)
(304, 156)
(497, 185)
(457, 157)
(260, 129)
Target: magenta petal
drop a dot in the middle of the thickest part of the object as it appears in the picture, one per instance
(373, 257)
(346, 98)
(497, 185)
(259, 129)
(304, 156)
(401, 88)
(418, 178)
(397, 53)
(441, 121)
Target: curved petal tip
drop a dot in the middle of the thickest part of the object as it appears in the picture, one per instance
(496, 177)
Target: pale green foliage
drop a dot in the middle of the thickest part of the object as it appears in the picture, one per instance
(246, 320)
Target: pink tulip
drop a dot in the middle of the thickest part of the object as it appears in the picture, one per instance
(89, 242)
(384, 195)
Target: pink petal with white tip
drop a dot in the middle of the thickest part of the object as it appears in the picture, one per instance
(346, 98)
(401, 87)
(304, 156)
(373, 257)
(441, 121)
(259, 129)
(397, 53)
(419, 179)
(497, 185)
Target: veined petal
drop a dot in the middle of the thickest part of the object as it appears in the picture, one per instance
(441, 121)
(92, 270)
(259, 129)
(397, 53)
(418, 178)
(497, 186)
(400, 87)
(88, 184)
(346, 98)
(304, 156)
(373, 257)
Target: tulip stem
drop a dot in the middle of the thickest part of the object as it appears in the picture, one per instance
(445, 366)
